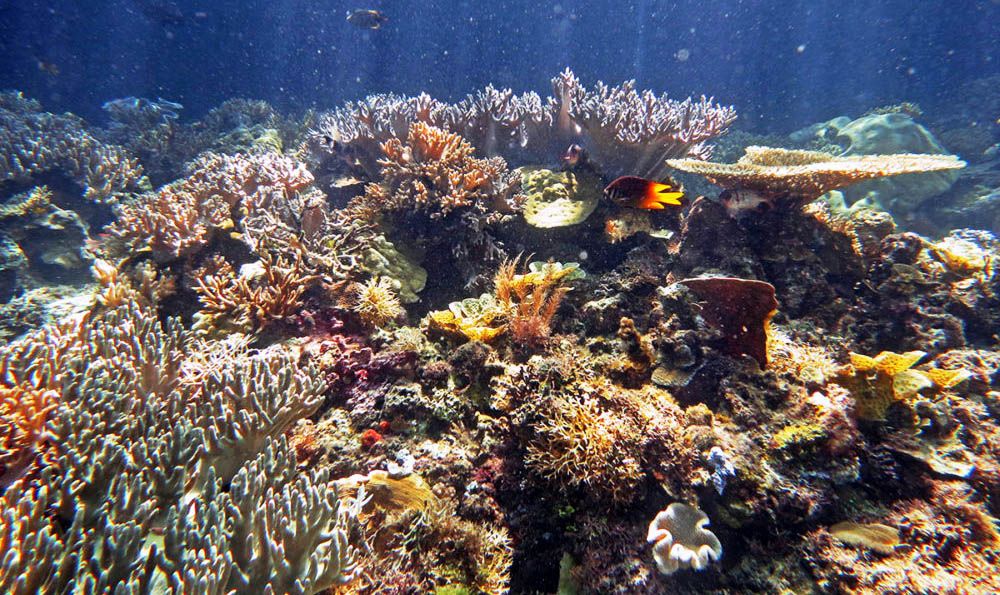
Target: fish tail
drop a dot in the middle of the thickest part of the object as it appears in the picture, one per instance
(659, 195)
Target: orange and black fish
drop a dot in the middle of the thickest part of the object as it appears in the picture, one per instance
(640, 193)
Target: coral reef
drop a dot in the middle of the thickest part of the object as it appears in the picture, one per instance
(35, 142)
(139, 443)
(805, 175)
(225, 392)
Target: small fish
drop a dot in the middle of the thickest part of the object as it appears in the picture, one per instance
(47, 67)
(366, 19)
(740, 203)
(640, 193)
(574, 156)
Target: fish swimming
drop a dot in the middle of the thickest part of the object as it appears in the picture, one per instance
(740, 203)
(366, 19)
(640, 193)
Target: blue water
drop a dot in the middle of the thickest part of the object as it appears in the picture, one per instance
(782, 63)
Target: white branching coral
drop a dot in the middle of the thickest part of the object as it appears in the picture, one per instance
(680, 539)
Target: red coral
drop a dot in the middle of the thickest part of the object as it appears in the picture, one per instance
(370, 438)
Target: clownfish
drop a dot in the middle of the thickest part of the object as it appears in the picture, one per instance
(640, 193)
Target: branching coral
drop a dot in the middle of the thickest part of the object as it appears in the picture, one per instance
(625, 130)
(629, 131)
(130, 489)
(34, 142)
(179, 219)
(252, 300)
(435, 173)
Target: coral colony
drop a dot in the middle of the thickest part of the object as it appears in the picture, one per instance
(409, 346)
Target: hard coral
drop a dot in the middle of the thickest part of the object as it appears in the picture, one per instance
(180, 218)
(805, 175)
(435, 173)
(35, 142)
(249, 302)
(625, 130)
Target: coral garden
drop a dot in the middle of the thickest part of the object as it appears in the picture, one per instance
(407, 347)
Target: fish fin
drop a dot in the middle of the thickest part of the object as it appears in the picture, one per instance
(660, 195)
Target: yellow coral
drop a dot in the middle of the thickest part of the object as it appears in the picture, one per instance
(878, 382)
(476, 319)
(376, 302)
(798, 436)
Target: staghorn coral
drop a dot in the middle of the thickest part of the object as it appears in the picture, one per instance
(626, 131)
(435, 173)
(34, 142)
(582, 444)
(130, 490)
(253, 300)
(805, 175)
(633, 132)
(181, 218)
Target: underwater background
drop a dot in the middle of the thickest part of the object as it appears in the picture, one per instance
(499, 297)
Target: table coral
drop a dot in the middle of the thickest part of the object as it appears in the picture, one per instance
(805, 175)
